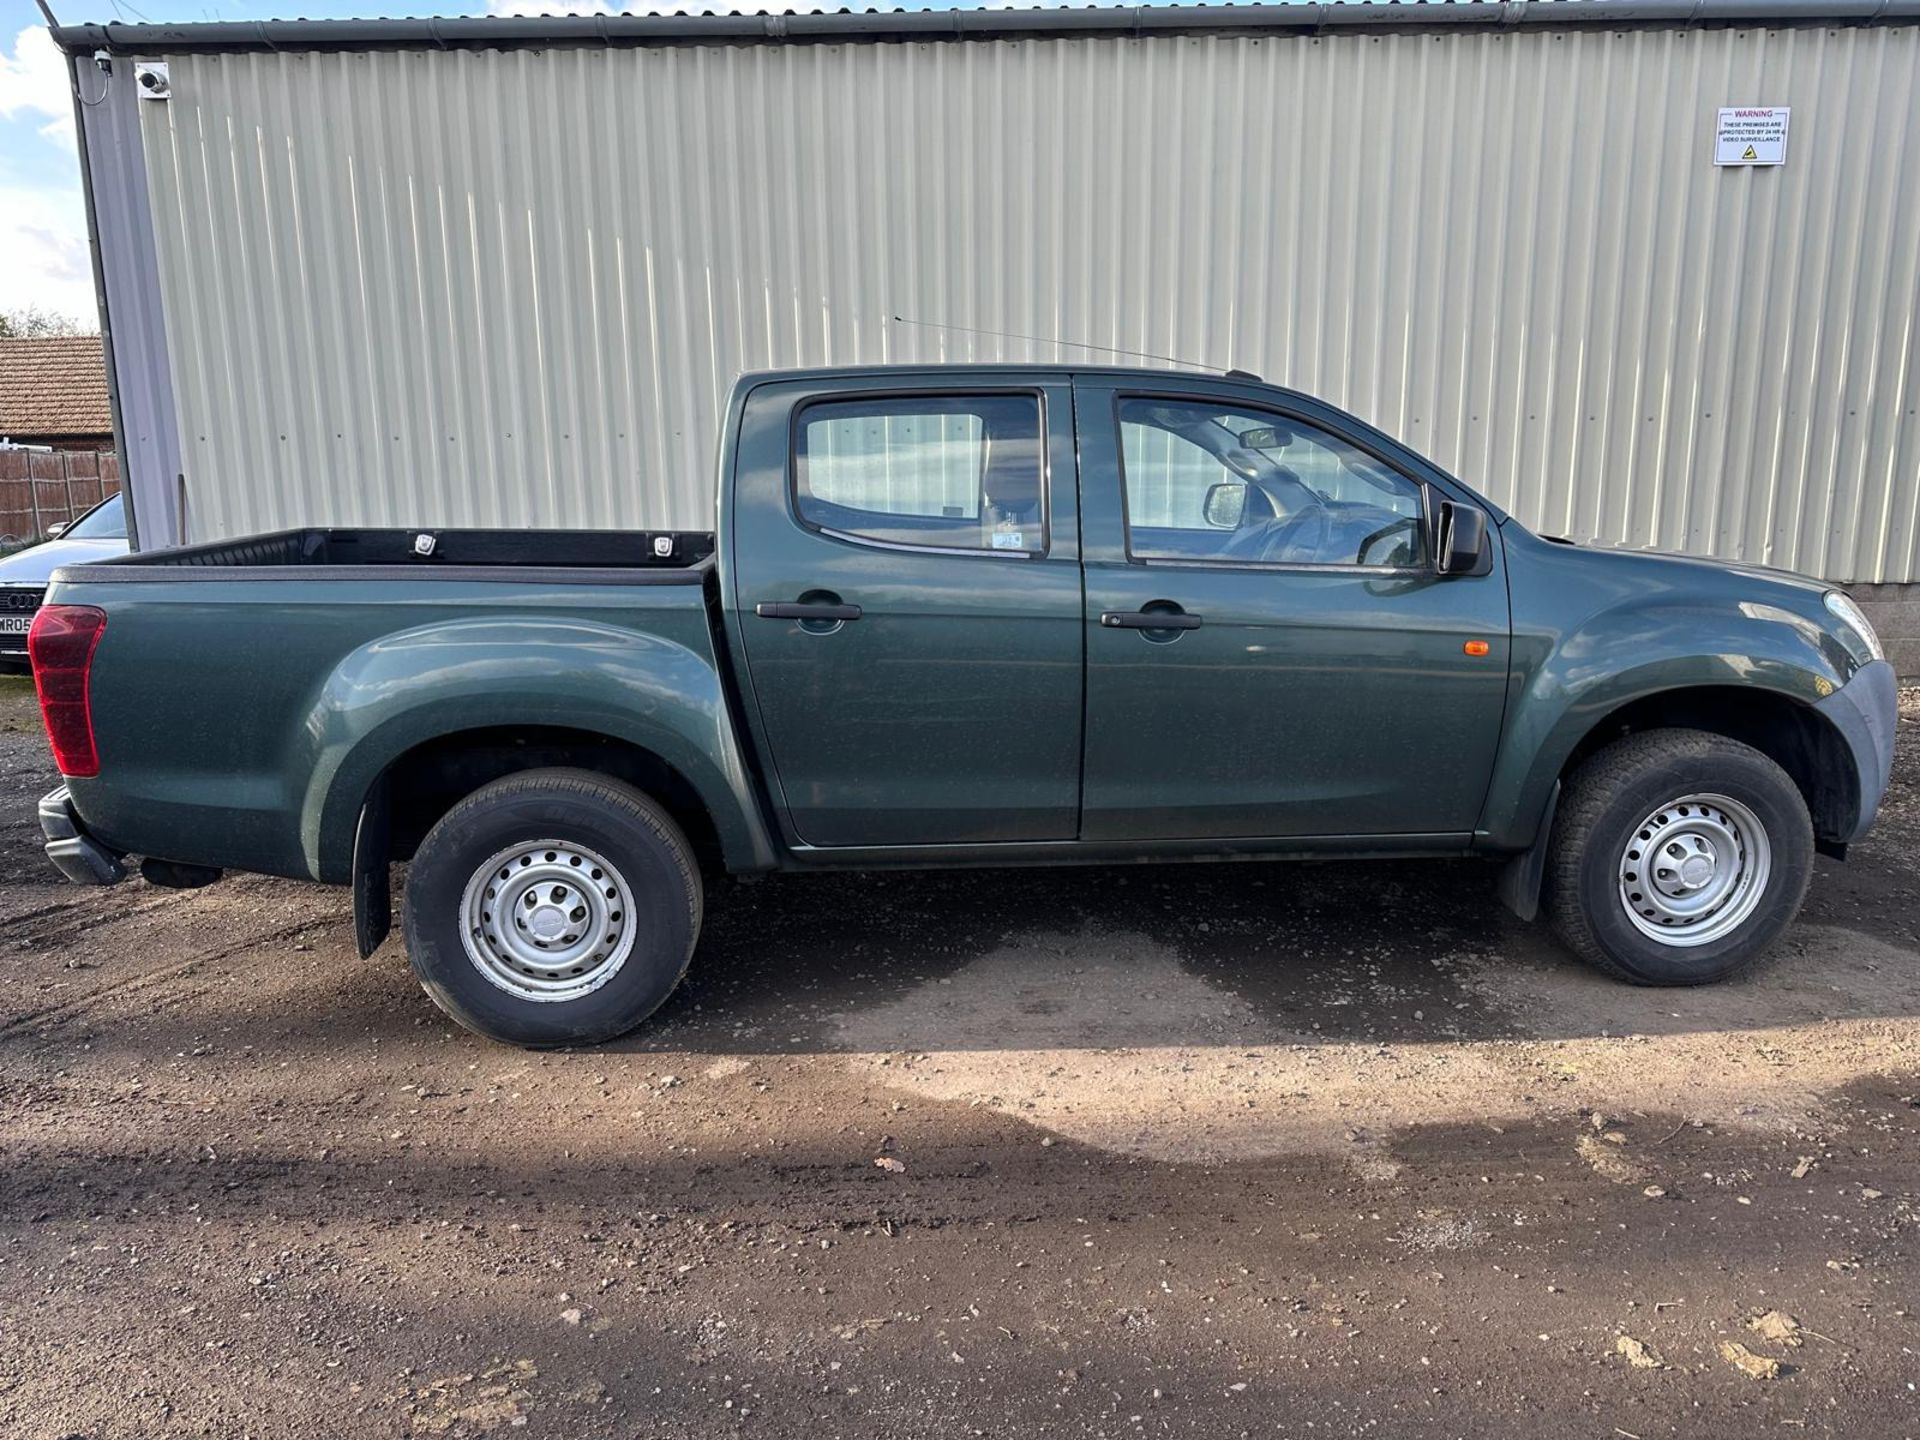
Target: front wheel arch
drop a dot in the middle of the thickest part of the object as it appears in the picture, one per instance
(1537, 755)
(1713, 803)
(1789, 732)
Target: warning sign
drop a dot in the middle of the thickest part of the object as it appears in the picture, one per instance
(1751, 135)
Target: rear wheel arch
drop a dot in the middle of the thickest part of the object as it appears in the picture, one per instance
(416, 788)
(426, 780)
(553, 906)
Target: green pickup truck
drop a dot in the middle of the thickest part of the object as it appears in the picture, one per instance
(963, 615)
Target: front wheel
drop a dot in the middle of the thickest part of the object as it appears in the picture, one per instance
(552, 907)
(1677, 858)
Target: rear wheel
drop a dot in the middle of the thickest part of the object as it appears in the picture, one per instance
(1677, 858)
(553, 907)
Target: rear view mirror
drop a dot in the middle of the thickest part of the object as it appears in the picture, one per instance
(1225, 504)
(1461, 548)
(1267, 437)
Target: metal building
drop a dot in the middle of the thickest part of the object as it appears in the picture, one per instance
(501, 272)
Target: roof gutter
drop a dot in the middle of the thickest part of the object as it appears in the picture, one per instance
(507, 32)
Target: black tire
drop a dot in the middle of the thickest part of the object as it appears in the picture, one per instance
(1612, 793)
(637, 839)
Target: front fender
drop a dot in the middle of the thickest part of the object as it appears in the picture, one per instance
(441, 678)
(1587, 644)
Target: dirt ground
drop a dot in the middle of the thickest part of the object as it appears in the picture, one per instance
(1253, 1150)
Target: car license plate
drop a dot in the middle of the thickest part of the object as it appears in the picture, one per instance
(15, 624)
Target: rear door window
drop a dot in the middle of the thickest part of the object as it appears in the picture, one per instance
(948, 472)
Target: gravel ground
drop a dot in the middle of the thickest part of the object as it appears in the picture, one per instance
(1212, 1151)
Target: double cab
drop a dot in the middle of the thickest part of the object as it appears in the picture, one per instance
(963, 615)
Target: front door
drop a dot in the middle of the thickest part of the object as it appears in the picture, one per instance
(1269, 649)
(907, 583)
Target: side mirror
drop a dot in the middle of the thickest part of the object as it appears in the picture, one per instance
(54, 532)
(1225, 504)
(1462, 543)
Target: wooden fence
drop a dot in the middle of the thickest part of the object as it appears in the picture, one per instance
(39, 488)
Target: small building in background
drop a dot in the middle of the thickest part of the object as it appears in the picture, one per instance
(56, 434)
(53, 393)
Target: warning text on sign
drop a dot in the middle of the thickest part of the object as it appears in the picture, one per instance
(1751, 135)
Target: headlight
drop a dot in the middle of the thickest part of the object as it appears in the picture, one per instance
(1850, 614)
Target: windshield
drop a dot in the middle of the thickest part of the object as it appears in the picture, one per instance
(106, 521)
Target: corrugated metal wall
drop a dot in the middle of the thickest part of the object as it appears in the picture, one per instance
(511, 288)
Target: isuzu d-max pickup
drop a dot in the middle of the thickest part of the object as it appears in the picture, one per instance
(963, 616)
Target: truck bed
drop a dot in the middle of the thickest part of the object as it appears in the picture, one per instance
(519, 549)
(246, 693)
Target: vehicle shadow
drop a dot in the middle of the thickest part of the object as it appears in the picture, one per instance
(1089, 959)
(1187, 1014)
(1356, 953)
(1372, 952)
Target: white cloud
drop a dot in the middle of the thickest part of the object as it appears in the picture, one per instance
(33, 82)
(43, 226)
(44, 260)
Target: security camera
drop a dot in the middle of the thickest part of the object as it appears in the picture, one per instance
(103, 62)
(153, 80)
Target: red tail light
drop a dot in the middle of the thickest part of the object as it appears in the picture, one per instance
(62, 643)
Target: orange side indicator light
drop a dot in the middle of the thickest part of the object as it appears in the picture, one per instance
(1476, 647)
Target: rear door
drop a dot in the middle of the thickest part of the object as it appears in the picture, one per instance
(1313, 675)
(906, 574)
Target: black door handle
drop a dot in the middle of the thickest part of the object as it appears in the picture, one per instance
(1148, 620)
(800, 610)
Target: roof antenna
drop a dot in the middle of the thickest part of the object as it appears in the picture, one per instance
(1078, 345)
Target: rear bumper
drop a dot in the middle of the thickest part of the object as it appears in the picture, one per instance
(1866, 712)
(74, 853)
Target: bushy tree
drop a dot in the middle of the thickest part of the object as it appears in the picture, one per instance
(27, 321)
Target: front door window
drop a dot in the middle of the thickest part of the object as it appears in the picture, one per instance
(1209, 482)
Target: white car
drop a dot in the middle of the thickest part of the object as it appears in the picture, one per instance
(99, 534)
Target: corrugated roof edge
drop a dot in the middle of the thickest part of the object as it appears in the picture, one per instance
(503, 32)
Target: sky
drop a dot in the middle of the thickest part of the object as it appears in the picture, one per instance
(43, 230)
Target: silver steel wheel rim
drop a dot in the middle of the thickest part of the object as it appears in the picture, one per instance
(1694, 870)
(547, 920)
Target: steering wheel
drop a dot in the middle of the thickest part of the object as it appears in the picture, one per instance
(1265, 530)
(1304, 532)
